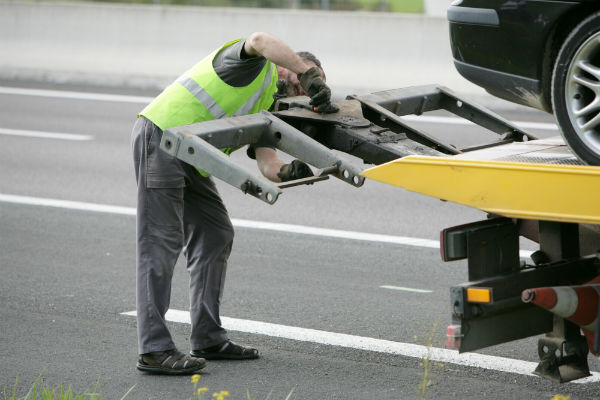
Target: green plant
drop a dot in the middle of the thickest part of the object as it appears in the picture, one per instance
(401, 6)
(40, 390)
(428, 364)
(200, 392)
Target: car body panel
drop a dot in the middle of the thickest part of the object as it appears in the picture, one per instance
(507, 46)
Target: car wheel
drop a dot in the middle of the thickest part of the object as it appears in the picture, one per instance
(576, 90)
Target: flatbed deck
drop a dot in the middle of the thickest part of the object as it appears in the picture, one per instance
(538, 179)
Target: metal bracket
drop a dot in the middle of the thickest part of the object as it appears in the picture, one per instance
(198, 144)
(491, 247)
(368, 127)
(563, 353)
(349, 131)
(507, 318)
(389, 105)
(322, 174)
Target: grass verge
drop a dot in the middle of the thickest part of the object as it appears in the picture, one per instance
(42, 391)
(396, 6)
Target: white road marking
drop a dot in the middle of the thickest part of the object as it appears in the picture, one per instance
(405, 289)
(336, 233)
(145, 100)
(71, 205)
(45, 135)
(240, 223)
(371, 344)
(461, 121)
(64, 94)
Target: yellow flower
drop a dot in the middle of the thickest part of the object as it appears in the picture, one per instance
(195, 378)
(201, 390)
(561, 397)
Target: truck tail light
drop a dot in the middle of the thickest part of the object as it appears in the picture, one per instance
(454, 241)
(453, 244)
(453, 336)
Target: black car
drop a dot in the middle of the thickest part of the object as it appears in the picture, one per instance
(540, 53)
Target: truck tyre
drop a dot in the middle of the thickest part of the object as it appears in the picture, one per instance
(576, 90)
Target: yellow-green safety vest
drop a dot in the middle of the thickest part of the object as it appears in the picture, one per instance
(200, 95)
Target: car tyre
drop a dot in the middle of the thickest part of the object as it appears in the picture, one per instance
(576, 90)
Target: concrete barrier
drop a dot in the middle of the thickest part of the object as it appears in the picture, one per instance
(148, 45)
(436, 8)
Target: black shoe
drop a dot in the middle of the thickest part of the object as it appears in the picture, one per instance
(226, 351)
(170, 362)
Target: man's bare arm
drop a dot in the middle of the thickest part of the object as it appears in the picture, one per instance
(274, 50)
(268, 163)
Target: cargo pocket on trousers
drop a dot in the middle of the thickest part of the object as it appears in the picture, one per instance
(163, 171)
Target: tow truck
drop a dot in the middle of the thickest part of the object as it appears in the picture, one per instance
(530, 187)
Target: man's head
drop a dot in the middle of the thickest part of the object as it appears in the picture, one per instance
(292, 86)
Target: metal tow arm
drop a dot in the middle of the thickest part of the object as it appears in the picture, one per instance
(198, 144)
(368, 127)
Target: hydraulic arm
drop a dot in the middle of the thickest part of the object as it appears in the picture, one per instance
(369, 128)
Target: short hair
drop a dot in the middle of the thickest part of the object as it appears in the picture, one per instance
(308, 56)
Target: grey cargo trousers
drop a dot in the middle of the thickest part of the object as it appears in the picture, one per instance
(177, 209)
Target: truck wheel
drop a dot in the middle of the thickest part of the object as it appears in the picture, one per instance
(576, 90)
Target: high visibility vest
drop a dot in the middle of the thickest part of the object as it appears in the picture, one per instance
(200, 95)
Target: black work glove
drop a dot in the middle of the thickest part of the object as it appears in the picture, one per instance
(317, 90)
(294, 170)
(281, 90)
(328, 108)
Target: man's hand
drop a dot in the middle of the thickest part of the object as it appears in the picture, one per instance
(314, 86)
(294, 170)
(327, 108)
(281, 90)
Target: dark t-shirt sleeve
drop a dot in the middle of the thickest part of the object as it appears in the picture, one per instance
(235, 68)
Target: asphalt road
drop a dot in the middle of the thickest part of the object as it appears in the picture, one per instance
(68, 274)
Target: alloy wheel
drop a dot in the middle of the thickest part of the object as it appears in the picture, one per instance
(582, 93)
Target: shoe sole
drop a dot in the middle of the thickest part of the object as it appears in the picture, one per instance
(168, 371)
(223, 356)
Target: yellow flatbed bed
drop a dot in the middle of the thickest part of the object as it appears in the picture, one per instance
(539, 179)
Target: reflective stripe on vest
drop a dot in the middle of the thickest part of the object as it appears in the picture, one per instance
(202, 96)
(249, 105)
(212, 106)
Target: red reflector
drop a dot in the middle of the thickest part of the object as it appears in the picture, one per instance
(453, 336)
